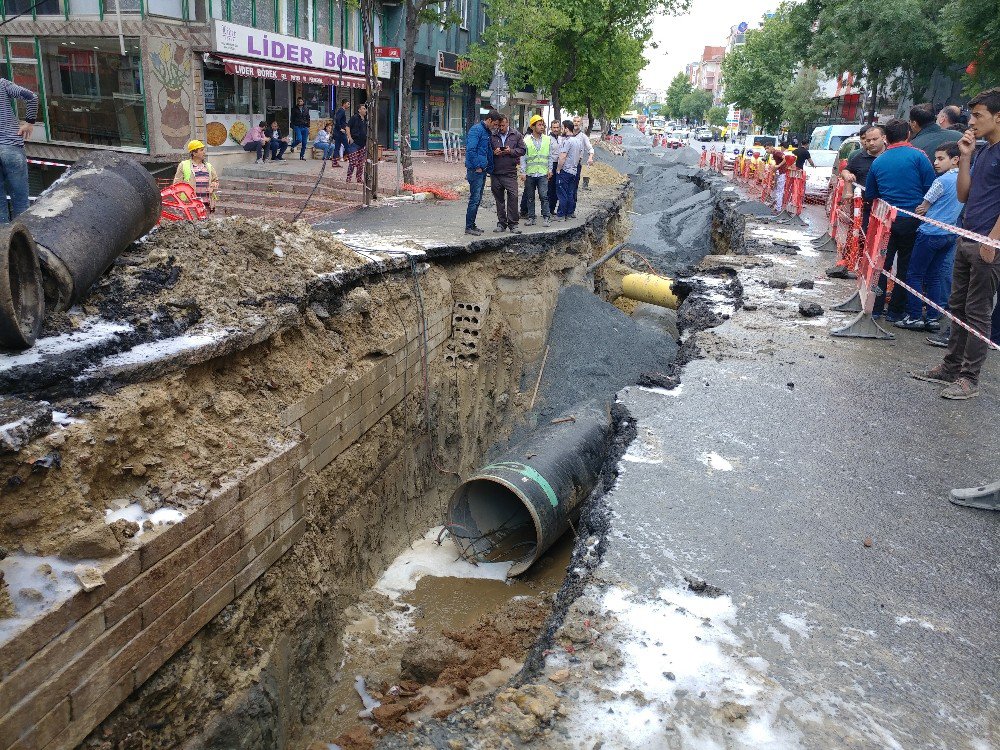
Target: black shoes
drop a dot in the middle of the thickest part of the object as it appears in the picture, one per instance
(500, 228)
(476, 231)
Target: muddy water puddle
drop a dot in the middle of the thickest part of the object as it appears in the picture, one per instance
(382, 625)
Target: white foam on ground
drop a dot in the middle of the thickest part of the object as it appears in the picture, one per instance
(62, 419)
(426, 558)
(714, 461)
(156, 350)
(675, 392)
(91, 333)
(796, 624)
(912, 620)
(25, 572)
(134, 512)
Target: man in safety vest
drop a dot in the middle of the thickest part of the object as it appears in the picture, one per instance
(536, 166)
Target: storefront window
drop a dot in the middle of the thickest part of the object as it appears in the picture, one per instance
(265, 15)
(317, 99)
(455, 113)
(168, 8)
(94, 95)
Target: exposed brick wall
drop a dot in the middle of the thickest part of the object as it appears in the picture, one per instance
(72, 667)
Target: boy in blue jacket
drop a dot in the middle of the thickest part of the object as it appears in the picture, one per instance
(478, 164)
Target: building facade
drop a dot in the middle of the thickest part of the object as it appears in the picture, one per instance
(146, 76)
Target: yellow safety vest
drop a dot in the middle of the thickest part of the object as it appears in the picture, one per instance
(187, 172)
(537, 159)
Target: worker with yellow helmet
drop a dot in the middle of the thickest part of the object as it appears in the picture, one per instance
(199, 174)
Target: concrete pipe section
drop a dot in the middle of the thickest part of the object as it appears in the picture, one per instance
(22, 304)
(86, 219)
(515, 508)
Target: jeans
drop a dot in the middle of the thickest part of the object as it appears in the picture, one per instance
(340, 143)
(300, 134)
(973, 300)
(534, 183)
(14, 171)
(566, 189)
(930, 272)
(257, 146)
(900, 247)
(995, 329)
(328, 149)
(277, 148)
(476, 182)
(553, 192)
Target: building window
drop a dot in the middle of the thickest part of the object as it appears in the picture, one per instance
(290, 8)
(84, 7)
(168, 8)
(324, 22)
(303, 27)
(94, 94)
(465, 14)
(240, 11)
(24, 72)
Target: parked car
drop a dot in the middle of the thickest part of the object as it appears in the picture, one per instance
(758, 142)
(703, 134)
(818, 182)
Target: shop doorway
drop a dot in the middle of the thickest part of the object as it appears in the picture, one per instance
(416, 121)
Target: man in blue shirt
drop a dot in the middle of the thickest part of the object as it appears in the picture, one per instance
(478, 164)
(976, 277)
(900, 176)
(934, 250)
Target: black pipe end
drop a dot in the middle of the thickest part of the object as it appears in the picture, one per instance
(22, 303)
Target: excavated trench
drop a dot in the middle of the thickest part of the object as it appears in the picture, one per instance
(367, 590)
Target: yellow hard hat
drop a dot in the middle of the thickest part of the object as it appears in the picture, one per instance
(534, 119)
(195, 145)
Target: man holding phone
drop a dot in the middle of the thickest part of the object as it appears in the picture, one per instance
(508, 148)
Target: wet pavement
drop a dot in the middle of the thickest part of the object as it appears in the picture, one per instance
(806, 478)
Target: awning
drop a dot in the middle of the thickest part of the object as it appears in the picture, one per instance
(253, 69)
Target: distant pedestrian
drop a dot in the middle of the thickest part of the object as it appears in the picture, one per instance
(13, 162)
(508, 148)
(537, 167)
(555, 133)
(357, 143)
(587, 154)
(570, 154)
(478, 164)
(300, 121)
(934, 249)
(901, 177)
(199, 174)
(925, 133)
(255, 140)
(340, 132)
(953, 118)
(802, 155)
(976, 277)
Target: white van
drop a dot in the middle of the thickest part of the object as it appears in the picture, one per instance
(830, 137)
(759, 142)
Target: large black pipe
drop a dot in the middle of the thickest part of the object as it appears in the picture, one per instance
(22, 305)
(101, 205)
(515, 508)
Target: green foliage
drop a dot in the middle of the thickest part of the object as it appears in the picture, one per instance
(970, 33)
(603, 87)
(717, 116)
(679, 87)
(802, 102)
(695, 104)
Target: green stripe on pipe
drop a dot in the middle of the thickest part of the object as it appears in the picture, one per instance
(531, 474)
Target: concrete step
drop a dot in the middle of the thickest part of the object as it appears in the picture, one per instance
(308, 174)
(285, 200)
(349, 193)
(252, 210)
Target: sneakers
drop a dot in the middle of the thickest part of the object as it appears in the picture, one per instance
(940, 339)
(500, 228)
(530, 221)
(475, 231)
(935, 375)
(546, 222)
(986, 497)
(572, 216)
(893, 318)
(257, 162)
(961, 390)
(911, 324)
(933, 325)
(515, 229)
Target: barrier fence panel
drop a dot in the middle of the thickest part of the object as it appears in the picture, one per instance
(703, 160)
(869, 265)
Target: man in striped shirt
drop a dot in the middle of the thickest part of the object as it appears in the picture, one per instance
(13, 164)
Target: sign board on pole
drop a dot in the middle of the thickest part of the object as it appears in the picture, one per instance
(450, 65)
(389, 53)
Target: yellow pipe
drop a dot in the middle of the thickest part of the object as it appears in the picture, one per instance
(656, 290)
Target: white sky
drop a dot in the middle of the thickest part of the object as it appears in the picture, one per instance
(682, 38)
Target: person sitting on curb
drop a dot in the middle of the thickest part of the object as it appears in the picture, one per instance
(324, 141)
(976, 277)
(478, 164)
(199, 174)
(277, 142)
(934, 249)
(256, 140)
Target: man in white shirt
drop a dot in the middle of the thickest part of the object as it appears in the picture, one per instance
(588, 150)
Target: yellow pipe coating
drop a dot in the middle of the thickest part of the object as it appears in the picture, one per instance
(656, 290)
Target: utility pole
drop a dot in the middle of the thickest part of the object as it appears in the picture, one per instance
(370, 191)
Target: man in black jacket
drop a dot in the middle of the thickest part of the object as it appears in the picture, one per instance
(300, 126)
(508, 148)
(340, 132)
(276, 141)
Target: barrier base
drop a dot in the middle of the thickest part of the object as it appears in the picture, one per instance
(840, 272)
(863, 327)
(986, 497)
(825, 243)
(852, 304)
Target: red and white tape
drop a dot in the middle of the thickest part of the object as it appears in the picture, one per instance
(981, 239)
(48, 163)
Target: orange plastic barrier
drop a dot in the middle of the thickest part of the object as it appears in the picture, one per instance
(868, 267)
(179, 203)
(703, 160)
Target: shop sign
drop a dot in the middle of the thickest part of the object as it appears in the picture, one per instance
(244, 41)
(389, 53)
(248, 69)
(450, 65)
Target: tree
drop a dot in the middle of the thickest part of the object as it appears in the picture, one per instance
(679, 87)
(416, 12)
(695, 104)
(802, 102)
(717, 116)
(880, 43)
(602, 89)
(757, 73)
(970, 34)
